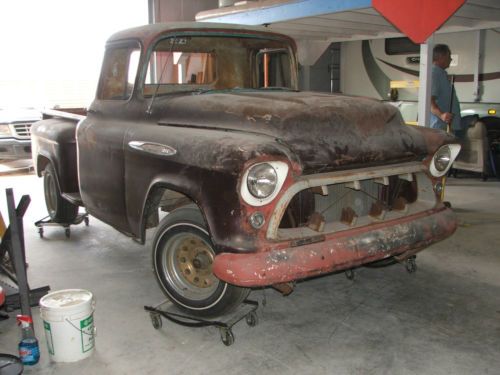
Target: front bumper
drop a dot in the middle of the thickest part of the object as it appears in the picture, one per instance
(11, 148)
(338, 251)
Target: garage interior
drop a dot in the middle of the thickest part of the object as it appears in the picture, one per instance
(444, 318)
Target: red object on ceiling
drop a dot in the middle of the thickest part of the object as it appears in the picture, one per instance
(418, 19)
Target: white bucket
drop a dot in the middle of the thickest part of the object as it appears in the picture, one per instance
(68, 321)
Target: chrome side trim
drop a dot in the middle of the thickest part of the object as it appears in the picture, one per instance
(153, 148)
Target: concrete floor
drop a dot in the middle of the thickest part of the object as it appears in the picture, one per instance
(444, 319)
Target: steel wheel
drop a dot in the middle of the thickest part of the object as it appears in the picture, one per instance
(188, 266)
(59, 209)
(183, 255)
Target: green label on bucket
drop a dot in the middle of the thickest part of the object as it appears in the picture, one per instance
(87, 332)
(48, 337)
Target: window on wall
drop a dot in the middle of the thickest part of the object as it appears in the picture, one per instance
(401, 46)
(181, 68)
(119, 72)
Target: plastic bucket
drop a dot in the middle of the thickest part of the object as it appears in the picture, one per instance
(68, 321)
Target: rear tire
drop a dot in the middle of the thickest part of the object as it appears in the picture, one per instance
(183, 254)
(59, 209)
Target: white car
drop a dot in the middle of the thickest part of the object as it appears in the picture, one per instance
(15, 132)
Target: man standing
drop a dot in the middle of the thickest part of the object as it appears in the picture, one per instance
(445, 108)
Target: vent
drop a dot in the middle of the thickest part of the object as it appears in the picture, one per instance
(22, 130)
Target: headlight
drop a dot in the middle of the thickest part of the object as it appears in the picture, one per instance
(443, 159)
(4, 130)
(261, 180)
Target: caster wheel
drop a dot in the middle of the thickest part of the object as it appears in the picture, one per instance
(411, 264)
(156, 320)
(350, 274)
(226, 336)
(67, 232)
(86, 221)
(252, 319)
(40, 232)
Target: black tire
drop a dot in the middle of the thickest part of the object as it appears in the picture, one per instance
(59, 209)
(182, 262)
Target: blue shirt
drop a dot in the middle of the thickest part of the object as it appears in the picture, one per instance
(441, 90)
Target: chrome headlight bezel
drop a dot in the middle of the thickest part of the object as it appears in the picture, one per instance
(249, 195)
(261, 180)
(443, 159)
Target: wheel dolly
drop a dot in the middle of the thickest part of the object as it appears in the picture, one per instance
(225, 323)
(48, 222)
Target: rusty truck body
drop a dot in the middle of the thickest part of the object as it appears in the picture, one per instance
(264, 184)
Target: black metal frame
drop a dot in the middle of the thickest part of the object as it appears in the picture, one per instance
(48, 222)
(14, 266)
(247, 310)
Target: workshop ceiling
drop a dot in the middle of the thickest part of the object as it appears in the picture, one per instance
(359, 22)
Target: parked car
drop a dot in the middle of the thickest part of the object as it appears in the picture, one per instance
(264, 184)
(15, 132)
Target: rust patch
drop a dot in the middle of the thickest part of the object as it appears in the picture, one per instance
(340, 251)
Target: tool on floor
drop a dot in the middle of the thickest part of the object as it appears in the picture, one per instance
(247, 310)
(48, 222)
(10, 364)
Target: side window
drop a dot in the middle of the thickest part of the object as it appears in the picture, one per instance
(118, 73)
(273, 67)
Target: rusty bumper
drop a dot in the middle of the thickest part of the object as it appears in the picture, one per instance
(339, 251)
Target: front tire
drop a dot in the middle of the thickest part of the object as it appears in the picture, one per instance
(183, 254)
(59, 209)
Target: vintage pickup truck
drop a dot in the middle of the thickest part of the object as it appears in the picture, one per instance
(264, 184)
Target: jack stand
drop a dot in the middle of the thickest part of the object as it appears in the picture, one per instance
(47, 222)
(225, 322)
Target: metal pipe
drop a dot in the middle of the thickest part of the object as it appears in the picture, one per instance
(266, 70)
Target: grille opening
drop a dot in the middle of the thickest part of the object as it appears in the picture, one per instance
(344, 202)
(22, 130)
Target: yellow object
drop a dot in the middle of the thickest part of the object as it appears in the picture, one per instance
(492, 111)
(3, 228)
(414, 123)
(405, 84)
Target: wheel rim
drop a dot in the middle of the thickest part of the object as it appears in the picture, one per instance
(50, 194)
(187, 265)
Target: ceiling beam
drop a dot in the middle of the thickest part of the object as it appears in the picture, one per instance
(268, 12)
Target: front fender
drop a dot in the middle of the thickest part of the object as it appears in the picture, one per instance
(206, 167)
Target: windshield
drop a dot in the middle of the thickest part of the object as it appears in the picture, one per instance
(201, 63)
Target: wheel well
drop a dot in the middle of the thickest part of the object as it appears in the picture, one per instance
(161, 198)
(41, 163)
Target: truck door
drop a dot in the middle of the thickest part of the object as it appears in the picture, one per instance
(100, 137)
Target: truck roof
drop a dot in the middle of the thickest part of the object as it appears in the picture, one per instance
(148, 33)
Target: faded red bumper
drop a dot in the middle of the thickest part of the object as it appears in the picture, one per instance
(339, 251)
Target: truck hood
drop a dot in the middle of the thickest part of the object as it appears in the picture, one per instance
(12, 115)
(325, 131)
